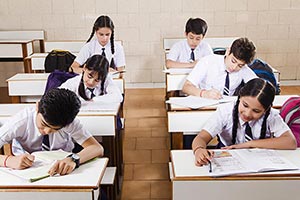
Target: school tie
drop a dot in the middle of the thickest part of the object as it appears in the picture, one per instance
(92, 92)
(192, 55)
(103, 53)
(46, 143)
(226, 87)
(248, 132)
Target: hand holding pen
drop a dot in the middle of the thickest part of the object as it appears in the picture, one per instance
(22, 161)
(203, 156)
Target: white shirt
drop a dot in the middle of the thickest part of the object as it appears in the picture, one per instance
(93, 47)
(181, 51)
(210, 72)
(112, 93)
(22, 128)
(220, 123)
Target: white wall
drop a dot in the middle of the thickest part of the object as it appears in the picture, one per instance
(273, 25)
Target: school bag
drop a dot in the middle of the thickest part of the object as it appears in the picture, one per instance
(58, 59)
(57, 77)
(290, 112)
(264, 71)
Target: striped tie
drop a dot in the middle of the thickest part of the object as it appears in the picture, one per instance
(103, 53)
(46, 143)
(192, 55)
(248, 135)
(226, 88)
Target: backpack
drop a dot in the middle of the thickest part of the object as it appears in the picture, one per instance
(290, 112)
(56, 78)
(264, 71)
(58, 59)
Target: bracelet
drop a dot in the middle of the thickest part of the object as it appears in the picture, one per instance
(198, 147)
(5, 160)
(201, 92)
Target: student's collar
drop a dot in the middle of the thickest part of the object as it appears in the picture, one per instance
(243, 124)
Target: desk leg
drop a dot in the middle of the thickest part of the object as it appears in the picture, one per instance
(15, 99)
(176, 140)
(42, 46)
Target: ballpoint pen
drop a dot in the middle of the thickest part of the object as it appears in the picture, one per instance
(209, 162)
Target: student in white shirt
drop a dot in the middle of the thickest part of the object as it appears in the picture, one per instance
(54, 117)
(103, 44)
(254, 108)
(186, 53)
(95, 83)
(208, 78)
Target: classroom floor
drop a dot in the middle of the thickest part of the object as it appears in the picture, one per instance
(146, 143)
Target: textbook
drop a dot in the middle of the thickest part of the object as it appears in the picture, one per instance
(241, 161)
(198, 102)
(42, 163)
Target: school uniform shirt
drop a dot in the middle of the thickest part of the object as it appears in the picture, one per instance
(93, 47)
(181, 51)
(22, 128)
(112, 93)
(220, 123)
(210, 72)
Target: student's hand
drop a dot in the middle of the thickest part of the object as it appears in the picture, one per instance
(194, 63)
(20, 162)
(244, 145)
(62, 167)
(77, 70)
(112, 70)
(203, 156)
(212, 94)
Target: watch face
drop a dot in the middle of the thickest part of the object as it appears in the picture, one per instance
(75, 156)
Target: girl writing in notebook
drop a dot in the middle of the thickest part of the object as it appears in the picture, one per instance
(250, 122)
(103, 44)
(95, 83)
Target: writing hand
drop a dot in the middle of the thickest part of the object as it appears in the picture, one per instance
(20, 162)
(203, 157)
(212, 94)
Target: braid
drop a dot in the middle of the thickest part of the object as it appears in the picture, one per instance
(112, 62)
(264, 125)
(102, 86)
(92, 34)
(235, 119)
(81, 89)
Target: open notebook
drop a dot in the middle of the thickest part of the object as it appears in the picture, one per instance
(242, 161)
(42, 163)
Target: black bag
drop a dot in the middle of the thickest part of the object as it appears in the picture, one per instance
(264, 71)
(59, 59)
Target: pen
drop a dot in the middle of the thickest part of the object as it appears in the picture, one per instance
(209, 162)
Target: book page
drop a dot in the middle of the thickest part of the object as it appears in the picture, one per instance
(42, 163)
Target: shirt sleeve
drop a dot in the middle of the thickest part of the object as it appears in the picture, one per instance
(216, 122)
(248, 74)
(198, 73)
(77, 132)
(174, 52)
(119, 58)
(276, 124)
(84, 54)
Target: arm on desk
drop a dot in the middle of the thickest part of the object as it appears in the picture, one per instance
(22, 161)
(175, 64)
(285, 141)
(190, 89)
(202, 155)
(91, 149)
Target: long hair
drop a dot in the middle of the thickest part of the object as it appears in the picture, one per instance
(105, 22)
(264, 92)
(98, 64)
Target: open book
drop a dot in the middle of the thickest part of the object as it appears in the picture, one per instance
(228, 162)
(198, 102)
(42, 163)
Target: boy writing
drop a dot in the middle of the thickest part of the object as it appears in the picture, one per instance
(52, 121)
(217, 75)
(186, 53)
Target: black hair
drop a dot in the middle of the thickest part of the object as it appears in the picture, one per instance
(59, 107)
(243, 49)
(196, 26)
(264, 92)
(98, 64)
(105, 22)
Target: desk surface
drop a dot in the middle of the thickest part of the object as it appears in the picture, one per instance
(15, 41)
(184, 167)
(87, 176)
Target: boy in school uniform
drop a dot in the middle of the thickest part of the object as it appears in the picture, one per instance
(49, 126)
(186, 53)
(217, 75)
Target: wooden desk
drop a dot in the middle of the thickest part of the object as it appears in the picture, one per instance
(29, 87)
(191, 182)
(83, 183)
(185, 120)
(15, 51)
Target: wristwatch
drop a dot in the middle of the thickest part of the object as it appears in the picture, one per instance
(75, 158)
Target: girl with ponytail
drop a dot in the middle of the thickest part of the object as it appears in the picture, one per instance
(103, 44)
(95, 83)
(249, 122)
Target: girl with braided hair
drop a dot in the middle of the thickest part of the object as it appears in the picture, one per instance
(249, 122)
(102, 44)
(95, 83)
